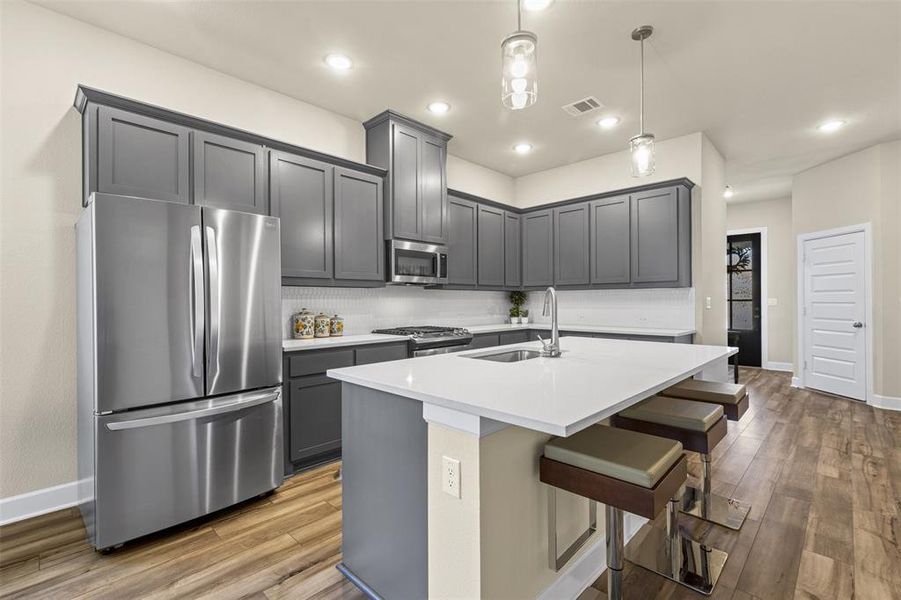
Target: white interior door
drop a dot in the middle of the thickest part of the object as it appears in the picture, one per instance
(833, 313)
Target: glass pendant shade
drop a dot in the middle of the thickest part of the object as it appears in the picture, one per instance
(519, 77)
(642, 148)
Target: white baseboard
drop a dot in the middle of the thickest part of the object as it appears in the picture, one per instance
(587, 566)
(886, 402)
(38, 502)
(796, 382)
(779, 366)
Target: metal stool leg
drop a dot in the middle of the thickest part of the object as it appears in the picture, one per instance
(671, 553)
(704, 504)
(614, 526)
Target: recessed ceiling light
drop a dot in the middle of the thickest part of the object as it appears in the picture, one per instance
(535, 5)
(339, 62)
(523, 148)
(439, 108)
(728, 192)
(831, 126)
(608, 122)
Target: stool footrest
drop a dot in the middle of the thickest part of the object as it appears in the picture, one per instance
(680, 559)
(714, 508)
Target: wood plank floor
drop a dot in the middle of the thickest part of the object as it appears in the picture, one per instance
(823, 475)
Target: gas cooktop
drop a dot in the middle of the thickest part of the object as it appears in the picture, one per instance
(431, 336)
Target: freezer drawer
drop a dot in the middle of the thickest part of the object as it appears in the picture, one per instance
(163, 466)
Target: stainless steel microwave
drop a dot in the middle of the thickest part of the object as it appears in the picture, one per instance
(416, 263)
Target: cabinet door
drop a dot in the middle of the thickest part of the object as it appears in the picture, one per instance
(538, 248)
(229, 173)
(367, 355)
(315, 416)
(514, 337)
(571, 244)
(512, 250)
(486, 340)
(405, 185)
(359, 240)
(490, 246)
(140, 156)
(655, 236)
(461, 251)
(302, 197)
(610, 240)
(433, 189)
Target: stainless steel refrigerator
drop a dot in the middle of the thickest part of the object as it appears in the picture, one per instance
(179, 363)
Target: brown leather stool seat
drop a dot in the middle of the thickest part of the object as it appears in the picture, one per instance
(733, 397)
(625, 470)
(699, 427)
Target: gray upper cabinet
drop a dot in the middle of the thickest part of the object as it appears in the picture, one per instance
(512, 250)
(538, 248)
(462, 261)
(359, 238)
(571, 244)
(229, 173)
(416, 203)
(490, 246)
(139, 156)
(610, 245)
(656, 239)
(302, 196)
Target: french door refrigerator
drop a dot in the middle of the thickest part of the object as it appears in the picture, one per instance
(179, 363)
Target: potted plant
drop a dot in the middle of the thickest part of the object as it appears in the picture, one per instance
(524, 316)
(517, 299)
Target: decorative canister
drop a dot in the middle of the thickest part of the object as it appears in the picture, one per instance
(322, 325)
(336, 326)
(302, 325)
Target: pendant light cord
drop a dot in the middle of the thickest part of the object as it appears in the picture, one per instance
(641, 94)
(518, 15)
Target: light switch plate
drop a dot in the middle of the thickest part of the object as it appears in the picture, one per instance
(707, 303)
(772, 301)
(450, 476)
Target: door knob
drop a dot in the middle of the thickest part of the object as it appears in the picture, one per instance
(856, 324)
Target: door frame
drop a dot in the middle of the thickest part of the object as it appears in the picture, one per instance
(867, 230)
(764, 297)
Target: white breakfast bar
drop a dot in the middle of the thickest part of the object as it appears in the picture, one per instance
(403, 537)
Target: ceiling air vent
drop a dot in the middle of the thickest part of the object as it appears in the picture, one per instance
(585, 105)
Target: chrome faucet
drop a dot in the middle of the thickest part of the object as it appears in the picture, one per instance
(551, 349)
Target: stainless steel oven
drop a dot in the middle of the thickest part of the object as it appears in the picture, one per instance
(416, 263)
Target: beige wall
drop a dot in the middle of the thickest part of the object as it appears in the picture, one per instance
(44, 57)
(776, 216)
(863, 188)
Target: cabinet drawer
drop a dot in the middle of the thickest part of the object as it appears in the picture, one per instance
(312, 363)
(514, 337)
(376, 354)
(486, 341)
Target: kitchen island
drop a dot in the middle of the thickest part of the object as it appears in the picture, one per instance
(406, 538)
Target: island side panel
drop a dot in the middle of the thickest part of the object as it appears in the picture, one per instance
(385, 492)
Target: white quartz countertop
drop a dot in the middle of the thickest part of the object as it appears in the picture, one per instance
(291, 345)
(593, 379)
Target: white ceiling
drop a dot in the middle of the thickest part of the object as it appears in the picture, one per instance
(757, 77)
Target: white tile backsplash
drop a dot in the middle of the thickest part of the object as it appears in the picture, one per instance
(365, 309)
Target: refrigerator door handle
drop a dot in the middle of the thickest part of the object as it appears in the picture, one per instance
(215, 305)
(197, 300)
(246, 401)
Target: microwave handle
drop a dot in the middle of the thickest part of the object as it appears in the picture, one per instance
(438, 265)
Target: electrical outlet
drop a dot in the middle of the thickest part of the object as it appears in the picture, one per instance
(772, 301)
(450, 476)
(708, 301)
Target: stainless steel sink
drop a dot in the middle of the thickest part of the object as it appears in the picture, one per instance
(507, 356)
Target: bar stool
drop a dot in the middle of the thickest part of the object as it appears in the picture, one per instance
(699, 426)
(627, 471)
(733, 397)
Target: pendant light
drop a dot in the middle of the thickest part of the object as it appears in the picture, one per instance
(642, 145)
(519, 63)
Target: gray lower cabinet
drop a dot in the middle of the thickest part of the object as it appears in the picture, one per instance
(538, 248)
(513, 337)
(609, 254)
(512, 250)
(138, 155)
(571, 244)
(302, 197)
(462, 254)
(312, 406)
(485, 340)
(661, 237)
(490, 246)
(359, 237)
(229, 173)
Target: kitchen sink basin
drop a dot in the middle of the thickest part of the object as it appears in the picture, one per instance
(507, 356)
